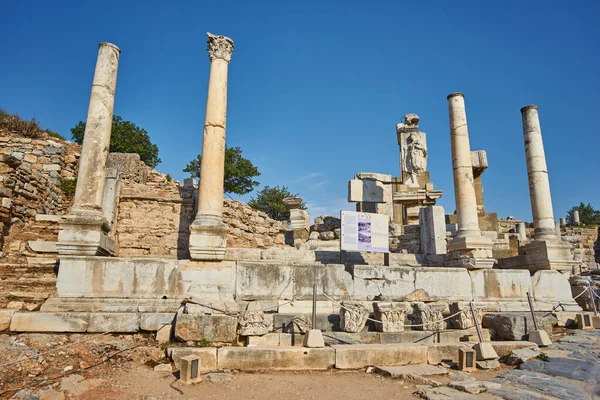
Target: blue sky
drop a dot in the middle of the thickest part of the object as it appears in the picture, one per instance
(317, 87)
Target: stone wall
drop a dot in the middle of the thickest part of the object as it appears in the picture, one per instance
(586, 248)
(153, 219)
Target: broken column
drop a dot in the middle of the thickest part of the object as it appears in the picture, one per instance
(576, 220)
(208, 233)
(84, 231)
(433, 230)
(299, 218)
(480, 164)
(522, 231)
(546, 250)
(469, 248)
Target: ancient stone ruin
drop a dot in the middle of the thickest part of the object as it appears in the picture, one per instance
(138, 252)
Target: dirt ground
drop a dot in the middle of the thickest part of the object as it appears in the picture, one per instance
(57, 367)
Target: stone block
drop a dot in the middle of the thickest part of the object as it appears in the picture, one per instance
(314, 339)
(514, 326)
(5, 317)
(504, 348)
(433, 230)
(153, 321)
(282, 358)
(551, 286)
(208, 280)
(163, 333)
(443, 284)
(420, 337)
(254, 323)
(540, 337)
(49, 322)
(438, 352)
(368, 190)
(500, 284)
(241, 254)
(286, 255)
(114, 322)
(357, 356)
(332, 279)
(84, 276)
(305, 307)
(460, 335)
(383, 283)
(485, 351)
(208, 356)
(268, 340)
(262, 280)
(214, 328)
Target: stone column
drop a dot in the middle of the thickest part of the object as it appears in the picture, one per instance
(522, 231)
(563, 222)
(539, 185)
(474, 250)
(576, 220)
(299, 218)
(208, 233)
(464, 188)
(84, 230)
(557, 229)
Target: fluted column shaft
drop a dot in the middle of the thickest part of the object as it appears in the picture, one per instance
(537, 172)
(96, 140)
(464, 186)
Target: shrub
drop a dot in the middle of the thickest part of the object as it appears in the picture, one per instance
(68, 186)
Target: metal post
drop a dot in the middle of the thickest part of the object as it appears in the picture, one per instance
(593, 300)
(314, 308)
(535, 325)
(476, 321)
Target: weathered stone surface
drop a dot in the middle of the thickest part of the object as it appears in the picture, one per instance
(428, 317)
(551, 286)
(443, 284)
(353, 316)
(214, 328)
(364, 355)
(410, 371)
(497, 284)
(282, 358)
(438, 352)
(254, 323)
(541, 384)
(153, 321)
(383, 283)
(332, 279)
(391, 315)
(49, 322)
(5, 317)
(580, 370)
(444, 393)
(42, 246)
(113, 322)
(519, 356)
(504, 348)
(208, 356)
(514, 326)
(474, 387)
(299, 323)
(433, 230)
(488, 364)
(464, 320)
(255, 281)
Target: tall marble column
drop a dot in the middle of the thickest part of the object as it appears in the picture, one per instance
(84, 231)
(468, 240)
(208, 233)
(576, 220)
(537, 172)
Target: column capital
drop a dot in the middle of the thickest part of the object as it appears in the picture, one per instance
(219, 47)
(529, 107)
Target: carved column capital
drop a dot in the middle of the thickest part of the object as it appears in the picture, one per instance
(219, 47)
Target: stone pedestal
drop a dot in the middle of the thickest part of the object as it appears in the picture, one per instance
(469, 248)
(433, 230)
(299, 218)
(84, 231)
(208, 233)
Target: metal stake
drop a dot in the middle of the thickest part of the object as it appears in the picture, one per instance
(593, 300)
(476, 322)
(535, 325)
(314, 310)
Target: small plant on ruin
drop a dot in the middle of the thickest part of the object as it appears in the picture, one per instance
(55, 134)
(239, 171)
(126, 137)
(542, 357)
(204, 343)
(68, 186)
(169, 178)
(13, 123)
(270, 201)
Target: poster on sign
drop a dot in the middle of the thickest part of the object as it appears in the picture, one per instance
(365, 232)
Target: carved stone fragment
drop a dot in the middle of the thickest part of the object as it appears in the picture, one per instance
(391, 315)
(353, 316)
(428, 317)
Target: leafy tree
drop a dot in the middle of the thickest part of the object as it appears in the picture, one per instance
(270, 201)
(587, 215)
(126, 137)
(239, 171)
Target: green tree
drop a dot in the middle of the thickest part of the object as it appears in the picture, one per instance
(126, 137)
(239, 171)
(587, 215)
(270, 201)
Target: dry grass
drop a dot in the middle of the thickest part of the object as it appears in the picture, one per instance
(14, 124)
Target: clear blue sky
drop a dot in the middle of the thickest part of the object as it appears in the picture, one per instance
(317, 87)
